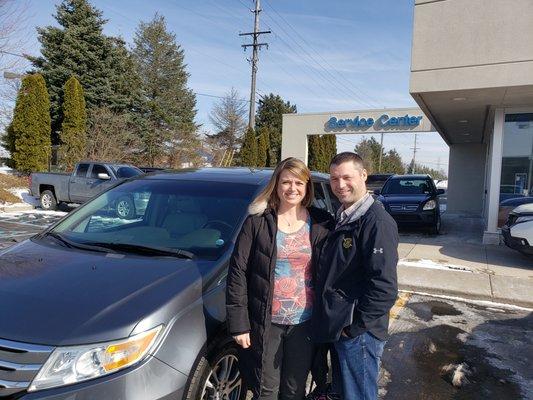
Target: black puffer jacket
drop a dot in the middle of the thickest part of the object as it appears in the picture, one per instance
(250, 282)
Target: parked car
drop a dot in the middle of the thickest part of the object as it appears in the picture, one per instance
(412, 200)
(151, 169)
(506, 206)
(518, 230)
(86, 181)
(104, 307)
(376, 181)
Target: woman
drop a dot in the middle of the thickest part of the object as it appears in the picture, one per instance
(269, 298)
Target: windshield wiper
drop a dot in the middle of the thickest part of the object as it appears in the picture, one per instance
(140, 249)
(71, 244)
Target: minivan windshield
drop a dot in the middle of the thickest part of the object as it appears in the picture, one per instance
(180, 217)
(407, 186)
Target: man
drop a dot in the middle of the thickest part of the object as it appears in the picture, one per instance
(356, 279)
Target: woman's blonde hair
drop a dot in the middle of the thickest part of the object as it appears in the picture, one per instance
(269, 194)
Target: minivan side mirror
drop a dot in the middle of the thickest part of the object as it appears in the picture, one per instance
(377, 192)
(440, 191)
(103, 176)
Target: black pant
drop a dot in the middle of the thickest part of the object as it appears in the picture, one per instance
(287, 361)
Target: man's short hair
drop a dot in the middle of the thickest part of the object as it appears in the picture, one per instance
(347, 156)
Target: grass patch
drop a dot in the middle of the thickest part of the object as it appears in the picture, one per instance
(11, 182)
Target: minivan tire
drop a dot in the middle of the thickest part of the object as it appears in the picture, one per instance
(201, 385)
(48, 200)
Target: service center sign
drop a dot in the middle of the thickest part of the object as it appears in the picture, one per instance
(385, 121)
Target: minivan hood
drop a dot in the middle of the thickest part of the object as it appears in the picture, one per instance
(57, 296)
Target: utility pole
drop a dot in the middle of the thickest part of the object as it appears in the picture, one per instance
(380, 153)
(414, 156)
(255, 58)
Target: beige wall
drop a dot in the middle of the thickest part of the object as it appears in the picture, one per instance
(466, 178)
(469, 44)
(475, 32)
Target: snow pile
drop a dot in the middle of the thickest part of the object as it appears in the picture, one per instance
(423, 263)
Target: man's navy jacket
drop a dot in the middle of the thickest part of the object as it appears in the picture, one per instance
(356, 280)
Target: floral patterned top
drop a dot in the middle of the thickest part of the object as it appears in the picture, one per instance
(293, 290)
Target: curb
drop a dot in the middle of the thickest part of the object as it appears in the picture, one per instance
(474, 286)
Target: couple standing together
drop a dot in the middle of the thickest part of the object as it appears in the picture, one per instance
(300, 284)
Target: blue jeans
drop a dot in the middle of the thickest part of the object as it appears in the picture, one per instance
(359, 360)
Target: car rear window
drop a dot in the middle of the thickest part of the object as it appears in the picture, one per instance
(127, 172)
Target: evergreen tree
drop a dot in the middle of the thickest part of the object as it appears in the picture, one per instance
(79, 48)
(392, 163)
(8, 143)
(369, 150)
(315, 152)
(31, 126)
(262, 147)
(330, 150)
(73, 130)
(269, 114)
(169, 105)
(248, 153)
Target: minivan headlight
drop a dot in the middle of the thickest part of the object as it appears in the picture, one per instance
(68, 365)
(430, 205)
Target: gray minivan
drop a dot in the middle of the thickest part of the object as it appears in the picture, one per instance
(100, 306)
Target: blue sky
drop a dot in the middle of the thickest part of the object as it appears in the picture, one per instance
(322, 56)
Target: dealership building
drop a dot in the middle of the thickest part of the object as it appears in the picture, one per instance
(472, 78)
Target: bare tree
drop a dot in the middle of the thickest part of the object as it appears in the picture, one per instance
(229, 119)
(13, 16)
(111, 137)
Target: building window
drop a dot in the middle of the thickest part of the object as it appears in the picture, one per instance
(516, 185)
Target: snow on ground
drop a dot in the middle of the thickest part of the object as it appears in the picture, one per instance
(423, 263)
(5, 170)
(37, 212)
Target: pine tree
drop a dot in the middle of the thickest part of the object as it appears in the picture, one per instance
(315, 152)
(262, 147)
(392, 163)
(79, 48)
(169, 105)
(73, 130)
(330, 150)
(248, 153)
(31, 125)
(269, 114)
(8, 143)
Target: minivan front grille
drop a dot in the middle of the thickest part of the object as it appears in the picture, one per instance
(19, 364)
(403, 207)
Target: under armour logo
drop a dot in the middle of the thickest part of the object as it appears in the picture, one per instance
(380, 250)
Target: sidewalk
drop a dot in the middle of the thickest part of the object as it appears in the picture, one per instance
(456, 263)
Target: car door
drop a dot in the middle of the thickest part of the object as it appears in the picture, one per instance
(77, 183)
(95, 185)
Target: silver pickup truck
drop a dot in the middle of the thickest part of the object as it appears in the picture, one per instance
(86, 181)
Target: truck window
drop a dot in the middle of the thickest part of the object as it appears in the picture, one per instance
(82, 170)
(98, 169)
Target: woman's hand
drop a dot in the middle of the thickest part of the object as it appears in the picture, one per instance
(243, 340)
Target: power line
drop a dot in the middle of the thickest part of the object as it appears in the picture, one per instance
(358, 95)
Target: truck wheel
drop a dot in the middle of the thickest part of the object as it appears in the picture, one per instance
(217, 377)
(125, 207)
(48, 200)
